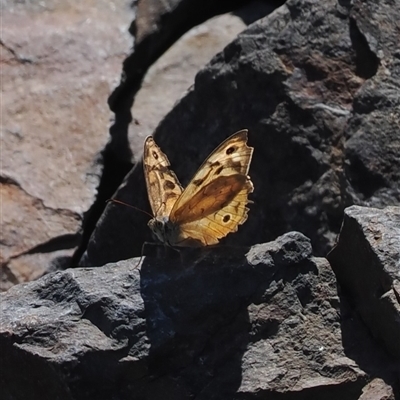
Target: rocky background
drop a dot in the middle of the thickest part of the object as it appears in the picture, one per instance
(60, 60)
(278, 311)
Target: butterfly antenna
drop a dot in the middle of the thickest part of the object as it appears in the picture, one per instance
(129, 205)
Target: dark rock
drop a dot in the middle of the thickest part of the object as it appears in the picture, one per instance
(317, 85)
(229, 325)
(366, 261)
(72, 334)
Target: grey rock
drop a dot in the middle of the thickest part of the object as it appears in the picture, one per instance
(366, 261)
(291, 248)
(73, 333)
(222, 327)
(378, 389)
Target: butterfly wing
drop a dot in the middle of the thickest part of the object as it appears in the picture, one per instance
(163, 187)
(214, 202)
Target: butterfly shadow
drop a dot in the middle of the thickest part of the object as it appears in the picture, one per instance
(197, 320)
(215, 324)
(186, 257)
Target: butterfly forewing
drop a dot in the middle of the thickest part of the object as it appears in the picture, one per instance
(163, 187)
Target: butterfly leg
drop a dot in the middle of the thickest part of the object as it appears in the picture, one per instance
(141, 255)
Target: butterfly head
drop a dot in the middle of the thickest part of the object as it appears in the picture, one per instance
(163, 229)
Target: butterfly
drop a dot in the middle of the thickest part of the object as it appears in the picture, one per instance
(214, 202)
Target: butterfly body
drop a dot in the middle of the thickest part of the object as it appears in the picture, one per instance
(214, 202)
(165, 230)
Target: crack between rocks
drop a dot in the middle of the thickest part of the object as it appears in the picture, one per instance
(18, 57)
(397, 294)
(366, 61)
(115, 168)
(62, 242)
(7, 180)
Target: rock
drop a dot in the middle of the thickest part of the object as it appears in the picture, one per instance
(173, 73)
(72, 315)
(158, 24)
(228, 325)
(317, 85)
(19, 269)
(366, 261)
(168, 79)
(60, 60)
(28, 228)
(372, 142)
(377, 390)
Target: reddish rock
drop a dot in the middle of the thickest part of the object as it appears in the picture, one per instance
(60, 61)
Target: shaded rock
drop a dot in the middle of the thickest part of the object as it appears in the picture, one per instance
(366, 261)
(225, 326)
(60, 60)
(372, 147)
(317, 85)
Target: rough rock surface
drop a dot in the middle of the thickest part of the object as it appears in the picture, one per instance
(366, 261)
(173, 73)
(317, 85)
(377, 390)
(262, 325)
(157, 26)
(60, 61)
(168, 79)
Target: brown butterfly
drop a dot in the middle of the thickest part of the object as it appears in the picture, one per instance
(214, 202)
